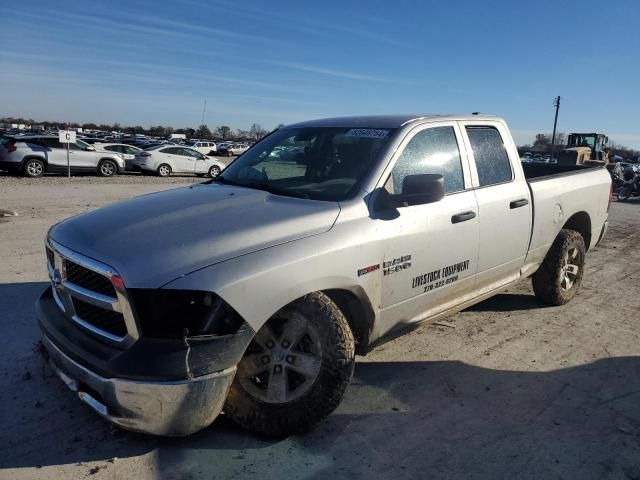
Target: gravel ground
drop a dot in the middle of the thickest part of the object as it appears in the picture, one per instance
(508, 389)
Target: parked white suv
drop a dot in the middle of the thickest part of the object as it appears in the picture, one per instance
(164, 160)
(37, 155)
(204, 147)
(127, 152)
(236, 149)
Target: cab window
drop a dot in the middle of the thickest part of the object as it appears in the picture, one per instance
(433, 150)
(490, 154)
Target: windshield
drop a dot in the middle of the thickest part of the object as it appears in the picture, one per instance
(320, 163)
(582, 140)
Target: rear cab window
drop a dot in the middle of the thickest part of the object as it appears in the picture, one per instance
(491, 158)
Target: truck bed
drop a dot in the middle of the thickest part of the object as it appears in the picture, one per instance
(559, 192)
(538, 171)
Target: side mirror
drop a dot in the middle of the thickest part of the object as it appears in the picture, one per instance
(91, 149)
(416, 190)
(420, 190)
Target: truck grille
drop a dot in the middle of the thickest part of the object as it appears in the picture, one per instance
(83, 290)
(109, 321)
(89, 279)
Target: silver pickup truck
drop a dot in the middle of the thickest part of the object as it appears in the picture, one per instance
(250, 294)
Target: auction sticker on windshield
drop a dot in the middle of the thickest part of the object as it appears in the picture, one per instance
(366, 133)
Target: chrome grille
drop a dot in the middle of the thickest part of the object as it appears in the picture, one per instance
(89, 279)
(50, 257)
(109, 321)
(83, 290)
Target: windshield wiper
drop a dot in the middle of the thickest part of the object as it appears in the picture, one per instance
(260, 186)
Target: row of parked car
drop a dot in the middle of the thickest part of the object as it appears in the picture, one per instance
(35, 155)
(206, 147)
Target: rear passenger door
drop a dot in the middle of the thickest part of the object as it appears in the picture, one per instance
(56, 152)
(172, 156)
(504, 204)
(430, 255)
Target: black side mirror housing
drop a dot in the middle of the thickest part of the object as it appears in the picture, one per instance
(416, 190)
(420, 190)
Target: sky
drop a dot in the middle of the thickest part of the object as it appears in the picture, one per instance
(156, 62)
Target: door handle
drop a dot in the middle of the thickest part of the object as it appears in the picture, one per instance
(518, 203)
(463, 217)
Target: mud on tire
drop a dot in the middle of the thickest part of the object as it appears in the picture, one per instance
(295, 371)
(558, 279)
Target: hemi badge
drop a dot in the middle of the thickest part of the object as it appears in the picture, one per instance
(372, 268)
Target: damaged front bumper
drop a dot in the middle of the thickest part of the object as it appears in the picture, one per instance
(175, 408)
(171, 387)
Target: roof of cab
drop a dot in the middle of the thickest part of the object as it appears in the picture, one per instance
(382, 121)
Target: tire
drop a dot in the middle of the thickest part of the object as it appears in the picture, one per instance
(324, 354)
(559, 277)
(623, 194)
(214, 171)
(33, 168)
(164, 170)
(107, 168)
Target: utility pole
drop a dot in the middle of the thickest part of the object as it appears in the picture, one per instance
(203, 110)
(556, 103)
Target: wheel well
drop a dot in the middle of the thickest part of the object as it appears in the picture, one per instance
(359, 315)
(581, 223)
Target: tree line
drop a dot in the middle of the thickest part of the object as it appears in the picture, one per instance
(223, 132)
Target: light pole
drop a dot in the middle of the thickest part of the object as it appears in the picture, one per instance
(556, 103)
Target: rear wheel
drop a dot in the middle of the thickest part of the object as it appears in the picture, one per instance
(107, 168)
(33, 168)
(558, 279)
(214, 171)
(164, 170)
(623, 194)
(295, 371)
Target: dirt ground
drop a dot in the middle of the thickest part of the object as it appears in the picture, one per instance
(511, 389)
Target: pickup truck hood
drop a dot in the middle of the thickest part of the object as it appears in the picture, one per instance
(153, 239)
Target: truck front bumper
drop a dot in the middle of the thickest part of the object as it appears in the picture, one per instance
(174, 408)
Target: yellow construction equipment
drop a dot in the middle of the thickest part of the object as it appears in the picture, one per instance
(585, 148)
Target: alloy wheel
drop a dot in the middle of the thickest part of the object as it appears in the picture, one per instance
(570, 268)
(283, 361)
(35, 169)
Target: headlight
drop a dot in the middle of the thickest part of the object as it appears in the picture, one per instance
(183, 313)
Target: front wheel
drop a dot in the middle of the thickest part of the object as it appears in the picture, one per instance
(295, 371)
(623, 194)
(214, 171)
(558, 279)
(107, 168)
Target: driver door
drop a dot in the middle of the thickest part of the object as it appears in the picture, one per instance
(202, 165)
(81, 158)
(431, 251)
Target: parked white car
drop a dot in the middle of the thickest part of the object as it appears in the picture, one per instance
(236, 149)
(127, 152)
(164, 160)
(206, 148)
(36, 155)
